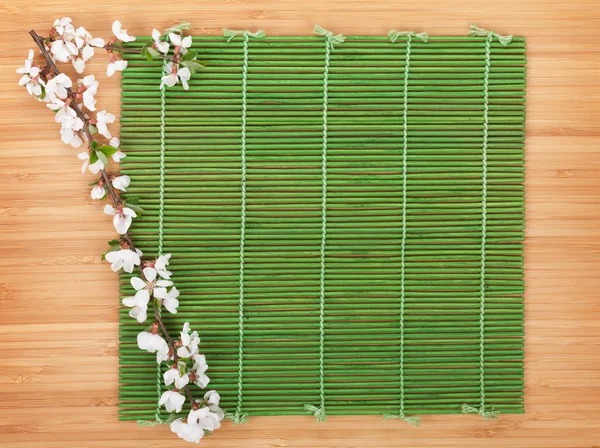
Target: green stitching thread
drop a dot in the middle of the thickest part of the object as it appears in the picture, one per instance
(161, 185)
(158, 420)
(330, 42)
(504, 40)
(394, 35)
(476, 31)
(240, 417)
(230, 34)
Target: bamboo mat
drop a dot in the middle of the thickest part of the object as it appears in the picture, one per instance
(401, 308)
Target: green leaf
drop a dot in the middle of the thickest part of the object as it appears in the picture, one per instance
(136, 208)
(133, 199)
(113, 243)
(102, 157)
(93, 157)
(93, 129)
(107, 150)
(189, 55)
(192, 65)
(93, 183)
(146, 53)
(153, 52)
(94, 145)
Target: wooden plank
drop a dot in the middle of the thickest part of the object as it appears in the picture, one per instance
(58, 374)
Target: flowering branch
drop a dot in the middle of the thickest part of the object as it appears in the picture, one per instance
(50, 85)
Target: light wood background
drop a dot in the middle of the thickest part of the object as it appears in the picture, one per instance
(58, 301)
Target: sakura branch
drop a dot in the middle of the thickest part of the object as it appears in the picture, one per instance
(74, 107)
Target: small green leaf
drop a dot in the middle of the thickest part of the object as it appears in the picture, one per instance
(136, 208)
(94, 145)
(93, 129)
(113, 243)
(192, 65)
(101, 157)
(133, 199)
(153, 52)
(189, 55)
(107, 150)
(93, 183)
(93, 157)
(145, 53)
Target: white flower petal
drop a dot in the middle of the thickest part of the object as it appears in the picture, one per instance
(149, 274)
(137, 283)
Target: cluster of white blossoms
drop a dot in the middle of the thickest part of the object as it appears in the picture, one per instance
(73, 104)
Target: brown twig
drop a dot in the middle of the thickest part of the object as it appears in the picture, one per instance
(114, 196)
(112, 47)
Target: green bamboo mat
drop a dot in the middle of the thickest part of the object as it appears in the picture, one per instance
(369, 364)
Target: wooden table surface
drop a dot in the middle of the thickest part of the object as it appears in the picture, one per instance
(58, 300)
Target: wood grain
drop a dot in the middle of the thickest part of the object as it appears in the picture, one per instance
(58, 301)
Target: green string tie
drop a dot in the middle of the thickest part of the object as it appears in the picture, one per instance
(412, 420)
(504, 40)
(476, 31)
(330, 39)
(230, 34)
(394, 35)
(317, 411)
(158, 420)
(487, 415)
(239, 417)
(330, 42)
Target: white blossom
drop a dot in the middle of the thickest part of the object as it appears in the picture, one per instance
(161, 264)
(116, 66)
(150, 284)
(120, 33)
(117, 156)
(189, 342)
(188, 432)
(123, 258)
(104, 118)
(122, 217)
(57, 86)
(173, 375)
(64, 47)
(60, 25)
(161, 46)
(172, 78)
(121, 182)
(98, 192)
(138, 305)
(85, 46)
(200, 367)
(206, 419)
(91, 88)
(182, 43)
(69, 131)
(153, 343)
(94, 167)
(62, 110)
(30, 79)
(172, 401)
(170, 301)
(212, 397)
